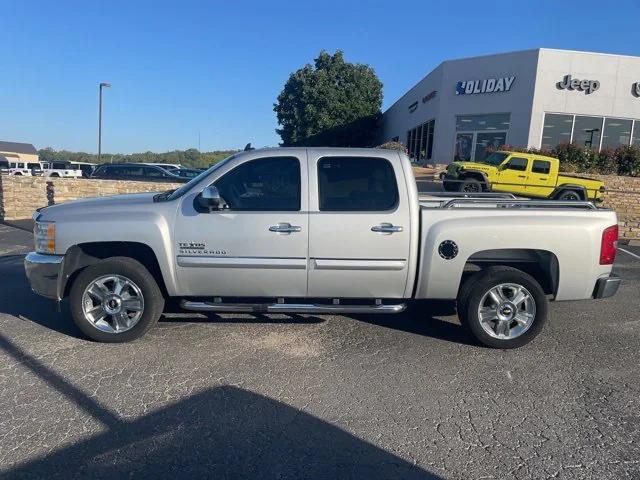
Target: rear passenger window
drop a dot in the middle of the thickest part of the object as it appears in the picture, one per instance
(350, 184)
(154, 172)
(133, 171)
(541, 166)
(517, 163)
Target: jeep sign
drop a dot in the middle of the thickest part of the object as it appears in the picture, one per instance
(586, 86)
(488, 85)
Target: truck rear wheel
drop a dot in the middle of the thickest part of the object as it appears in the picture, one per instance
(570, 195)
(115, 300)
(502, 307)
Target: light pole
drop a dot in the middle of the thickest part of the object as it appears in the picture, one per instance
(102, 85)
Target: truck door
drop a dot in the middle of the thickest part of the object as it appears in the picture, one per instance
(513, 176)
(542, 178)
(359, 227)
(257, 247)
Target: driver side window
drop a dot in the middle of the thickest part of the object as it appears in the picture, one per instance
(264, 184)
(517, 163)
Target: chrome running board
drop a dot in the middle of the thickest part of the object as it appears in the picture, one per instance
(289, 308)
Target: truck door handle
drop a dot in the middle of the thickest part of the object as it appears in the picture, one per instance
(285, 228)
(522, 176)
(386, 228)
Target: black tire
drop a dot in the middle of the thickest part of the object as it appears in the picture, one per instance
(478, 284)
(449, 186)
(132, 269)
(470, 185)
(569, 195)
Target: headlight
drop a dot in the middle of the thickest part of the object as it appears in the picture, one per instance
(44, 234)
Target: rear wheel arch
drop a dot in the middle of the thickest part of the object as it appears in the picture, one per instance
(566, 188)
(80, 256)
(541, 264)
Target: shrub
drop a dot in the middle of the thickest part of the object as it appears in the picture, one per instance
(623, 160)
(607, 161)
(571, 156)
(394, 146)
(628, 161)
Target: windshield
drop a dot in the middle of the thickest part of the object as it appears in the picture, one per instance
(187, 186)
(495, 159)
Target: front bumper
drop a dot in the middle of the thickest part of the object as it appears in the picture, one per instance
(606, 286)
(450, 183)
(43, 272)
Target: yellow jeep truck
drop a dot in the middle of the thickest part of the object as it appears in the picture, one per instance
(523, 174)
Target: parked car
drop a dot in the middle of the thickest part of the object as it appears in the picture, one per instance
(319, 231)
(21, 168)
(85, 168)
(166, 166)
(524, 174)
(62, 169)
(187, 172)
(4, 165)
(135, 171)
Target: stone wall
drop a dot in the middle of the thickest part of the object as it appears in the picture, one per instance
(20, 196)
(622, 194)
(62, 190)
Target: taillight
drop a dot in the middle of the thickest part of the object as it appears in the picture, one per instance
(609, 245)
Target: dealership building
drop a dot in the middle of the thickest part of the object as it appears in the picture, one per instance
(537, 98)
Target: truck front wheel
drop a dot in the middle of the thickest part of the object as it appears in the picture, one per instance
(470, 185)
(502, 307)
(115, 300)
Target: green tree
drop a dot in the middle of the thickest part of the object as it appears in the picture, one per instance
(332, 102)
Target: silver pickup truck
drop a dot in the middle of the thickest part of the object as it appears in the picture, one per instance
(319, 230)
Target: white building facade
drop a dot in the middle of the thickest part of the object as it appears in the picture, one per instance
(537, 98)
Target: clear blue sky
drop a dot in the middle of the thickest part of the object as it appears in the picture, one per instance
(217, 67)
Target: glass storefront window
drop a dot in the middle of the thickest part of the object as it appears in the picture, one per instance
(617, 132)
(636, 134)
(587, 131)
(557, 130)
(432, 126)
(472, 123)
(486, 141)
(464, 145)
(481, 132)
(420, 141)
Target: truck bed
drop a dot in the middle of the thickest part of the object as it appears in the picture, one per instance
(567, 232)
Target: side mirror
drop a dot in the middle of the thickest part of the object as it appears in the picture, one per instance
(210, 199)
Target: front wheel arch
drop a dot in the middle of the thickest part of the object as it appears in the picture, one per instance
(80, 256)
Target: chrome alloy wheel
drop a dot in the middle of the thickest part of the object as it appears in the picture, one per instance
(113, 303)
(506, 311)
(471, 188)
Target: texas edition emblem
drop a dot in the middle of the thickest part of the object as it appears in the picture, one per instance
(197, 248)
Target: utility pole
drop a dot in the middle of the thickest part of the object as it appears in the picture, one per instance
(102, 85)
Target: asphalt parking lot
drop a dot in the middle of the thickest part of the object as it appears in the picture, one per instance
(238, 396)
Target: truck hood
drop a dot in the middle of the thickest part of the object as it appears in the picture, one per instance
(92, 206)
(456, 167)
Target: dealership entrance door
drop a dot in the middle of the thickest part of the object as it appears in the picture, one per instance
(475, 134)
(472, 146)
